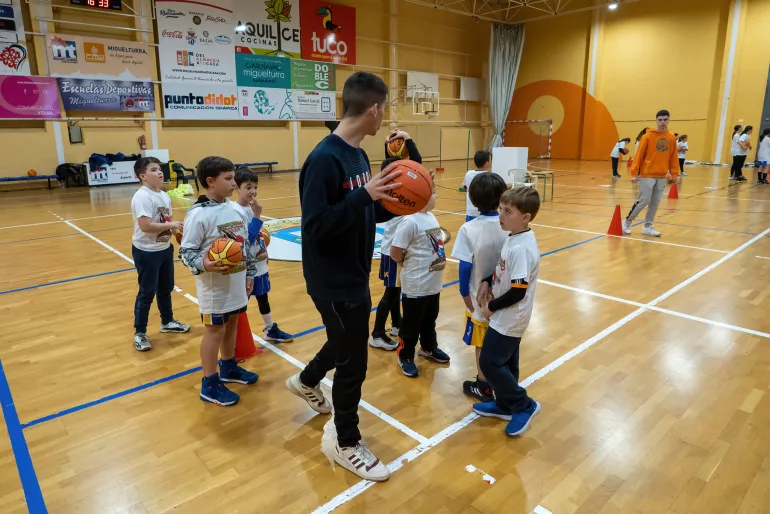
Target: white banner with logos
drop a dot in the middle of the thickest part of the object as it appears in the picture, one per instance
(261, 103)
(267, 27)
(115, 173)
(195, 42)
(14, 56)
(199, 101)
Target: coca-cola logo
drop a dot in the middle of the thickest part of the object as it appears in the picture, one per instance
(172, 13)
(173, 34)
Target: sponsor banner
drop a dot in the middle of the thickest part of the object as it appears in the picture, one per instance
(199, 102)
(28, 97)
(14, 58)
(106, 95)
(314, 105)
(256, 103)
(269, 27)
(263, 71)
(195, 43)
(115, 173)
(92, 57)
(328, 32)
(286, 239)
(313, 75)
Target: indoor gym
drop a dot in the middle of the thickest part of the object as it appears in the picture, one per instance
(647, 354)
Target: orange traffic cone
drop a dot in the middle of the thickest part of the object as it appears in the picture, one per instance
(673, 193)
(616, 226)
(244, 342)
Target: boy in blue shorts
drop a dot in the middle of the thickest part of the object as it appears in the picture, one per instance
(250, 209)
(509, 309)
(478, 247)
(222, 290)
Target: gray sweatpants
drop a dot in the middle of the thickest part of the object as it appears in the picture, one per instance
(650, 191)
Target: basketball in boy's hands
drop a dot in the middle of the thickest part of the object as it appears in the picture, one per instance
(227, 251)
(397, 148)
(624, 151)
(415, 190)
(265, 236)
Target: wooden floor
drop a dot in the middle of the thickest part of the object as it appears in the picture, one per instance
(651, 358)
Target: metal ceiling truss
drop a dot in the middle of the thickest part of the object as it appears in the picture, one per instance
(516, 11)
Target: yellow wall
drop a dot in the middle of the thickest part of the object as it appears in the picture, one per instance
(452, 45)
(648, 58)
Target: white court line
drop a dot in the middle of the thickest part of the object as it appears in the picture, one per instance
(760, 257)
(541, 510)
(367, 406)
(31, 225)
(608, 235)
(363, 485)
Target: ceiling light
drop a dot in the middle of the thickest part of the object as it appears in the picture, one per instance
(613, 6)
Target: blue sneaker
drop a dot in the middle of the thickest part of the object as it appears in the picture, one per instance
(230, 371)
(408, 367)
(491, 410)
(277, 335)
(520, 420)
(214, 391)
(437, 355)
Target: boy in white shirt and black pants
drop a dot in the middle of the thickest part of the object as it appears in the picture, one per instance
(509, 310)
(483, 161)
(419, 246)
(152, 252)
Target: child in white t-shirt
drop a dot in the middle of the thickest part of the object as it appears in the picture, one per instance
(682, 148)
(419, 246)
(222, 290)
(509, 309)
(152, 251)
(483, 161)
(478, 247)
(248, 206)
(620, 147)
(763, 156)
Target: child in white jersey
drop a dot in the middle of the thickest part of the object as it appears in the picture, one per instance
(419, 246)
(222, 290)
(478, 247)
(390, 303)
(509, 309)
(248, 206)
(763, 156)
(682, 148)
(152, 252)
(620, 148)
(483, 161)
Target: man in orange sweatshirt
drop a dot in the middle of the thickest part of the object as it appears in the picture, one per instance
(655, 158)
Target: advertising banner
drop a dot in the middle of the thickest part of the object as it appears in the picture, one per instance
(14, 58)
(28, 97)
(286, 104)
(199, 102)
(269, 27)
(106, 95)
(195, 43)
(92, 57)
(115, 173)
(314, 105)
(263, 71)
(328, 32)
(313, 75)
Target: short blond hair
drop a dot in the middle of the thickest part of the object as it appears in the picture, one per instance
(525, 199)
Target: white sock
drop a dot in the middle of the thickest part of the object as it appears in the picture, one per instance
(268, 319)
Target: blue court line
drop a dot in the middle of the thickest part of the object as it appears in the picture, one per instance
(29, 483)
(66, 281)
(572, 246)
(111, 397)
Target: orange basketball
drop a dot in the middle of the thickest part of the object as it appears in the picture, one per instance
(178, 236)
(397, 148)
(228, 251)
(624, 151)
(32, 173)
(415, 190)
(265, 236)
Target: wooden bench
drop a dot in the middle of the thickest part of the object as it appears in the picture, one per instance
(268, 165)
(36, 177)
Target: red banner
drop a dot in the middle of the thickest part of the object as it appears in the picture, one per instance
(328, 32)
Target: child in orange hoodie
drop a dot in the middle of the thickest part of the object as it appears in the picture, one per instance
(655, 158)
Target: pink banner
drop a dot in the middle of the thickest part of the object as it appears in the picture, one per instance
(28, 97)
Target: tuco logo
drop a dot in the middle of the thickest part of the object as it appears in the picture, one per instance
(216, 19)
(173, 34)
(223, 40)
(172, 13)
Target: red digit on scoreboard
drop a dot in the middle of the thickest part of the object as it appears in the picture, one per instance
(92, 3)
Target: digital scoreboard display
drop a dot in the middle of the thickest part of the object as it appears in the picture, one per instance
(114, 5)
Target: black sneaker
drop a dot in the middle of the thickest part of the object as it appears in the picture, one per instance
(437, 355)
(383, 341)
(479, 389)
(408, 367)
(741, 179)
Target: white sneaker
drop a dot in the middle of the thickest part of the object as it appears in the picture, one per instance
(361, 461)
(383, 342)
(312, 395)
(649, 231)
(626, 227)
(174, 326)
(394, 331)
(141, 342)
